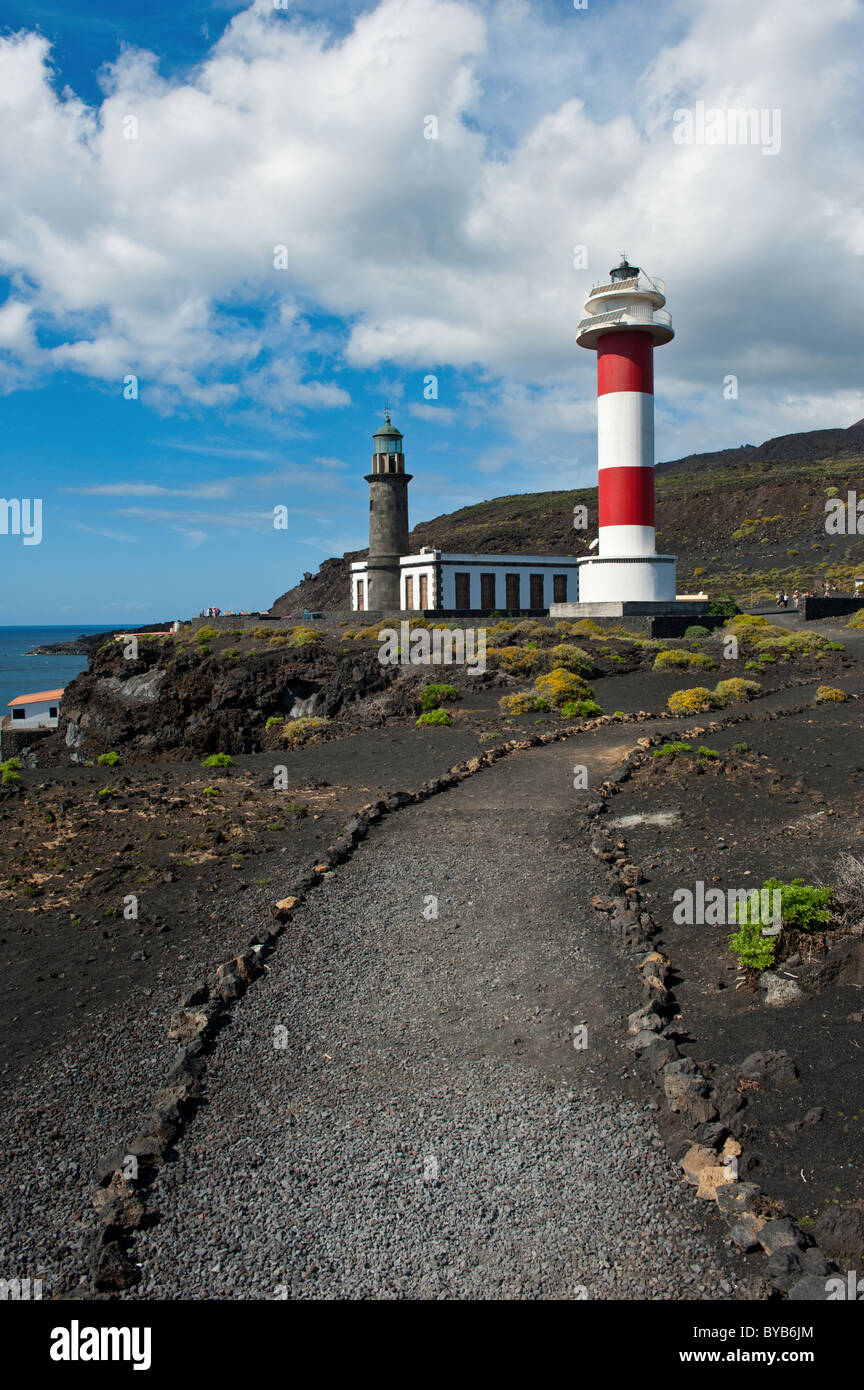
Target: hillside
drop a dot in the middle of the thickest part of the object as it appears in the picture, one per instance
(741, 521)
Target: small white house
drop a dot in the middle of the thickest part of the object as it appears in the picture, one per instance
(434, 581)
(38, 711)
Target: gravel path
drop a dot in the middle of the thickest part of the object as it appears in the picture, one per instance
(398, 1110)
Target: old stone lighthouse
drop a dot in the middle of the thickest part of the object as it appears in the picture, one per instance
(432, 581)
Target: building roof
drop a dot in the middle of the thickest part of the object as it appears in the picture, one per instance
(38, 695)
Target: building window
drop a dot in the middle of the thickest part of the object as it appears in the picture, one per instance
(424, 592)
(559, 588)
(19, 713)
(487, 591)
(53, 712)
(463, 590)
(409, 591)
(361, 595)
(536, 591)
(512, 587)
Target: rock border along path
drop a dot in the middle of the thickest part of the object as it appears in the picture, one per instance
(706, 1122)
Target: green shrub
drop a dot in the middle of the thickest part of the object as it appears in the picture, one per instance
(297, 730)
(9, 770)
(211, 791)
(580, 709)
(274, 720)
(802, 907)
(435, 716)
(857, 619)
(704, 752)
(696, 630)
(434, 695)
(746, 622)
(108, 759)
(206, 634)
(524, 703)
(740, 747)
(754, 951)
(204, 649)
(723, 608)
(218, 760)
(676, 657)
(231, 651)
(678, 747)
(107, 791)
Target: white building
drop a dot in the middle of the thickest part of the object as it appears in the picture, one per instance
(38, 711)
(435, 581)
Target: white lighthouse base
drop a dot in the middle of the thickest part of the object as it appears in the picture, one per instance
(627, 579)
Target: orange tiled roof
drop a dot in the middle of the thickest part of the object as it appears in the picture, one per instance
(39, 695)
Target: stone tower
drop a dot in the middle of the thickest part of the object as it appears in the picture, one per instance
(388, 518)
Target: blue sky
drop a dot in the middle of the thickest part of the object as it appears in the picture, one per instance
(152, 162)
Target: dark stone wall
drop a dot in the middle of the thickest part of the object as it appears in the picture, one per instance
(839, 606)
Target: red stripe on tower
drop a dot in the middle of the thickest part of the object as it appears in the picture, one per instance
(625, 362)
(626, 497)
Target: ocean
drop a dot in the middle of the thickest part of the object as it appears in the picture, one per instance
(22, 675)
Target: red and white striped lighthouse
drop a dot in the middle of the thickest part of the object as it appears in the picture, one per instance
(625, 320)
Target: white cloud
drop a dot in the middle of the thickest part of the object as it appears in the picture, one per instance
(143, 255)
(211, 490)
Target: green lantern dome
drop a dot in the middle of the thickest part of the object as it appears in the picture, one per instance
(387, 432)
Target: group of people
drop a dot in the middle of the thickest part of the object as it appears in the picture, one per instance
(210, 613)
(782, 598)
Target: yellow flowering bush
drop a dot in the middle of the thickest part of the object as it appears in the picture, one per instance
(829, 692)
(559, 685)
(519, 661)
(572, 659)
(692, 701)
(304, 637)
(736, 689)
